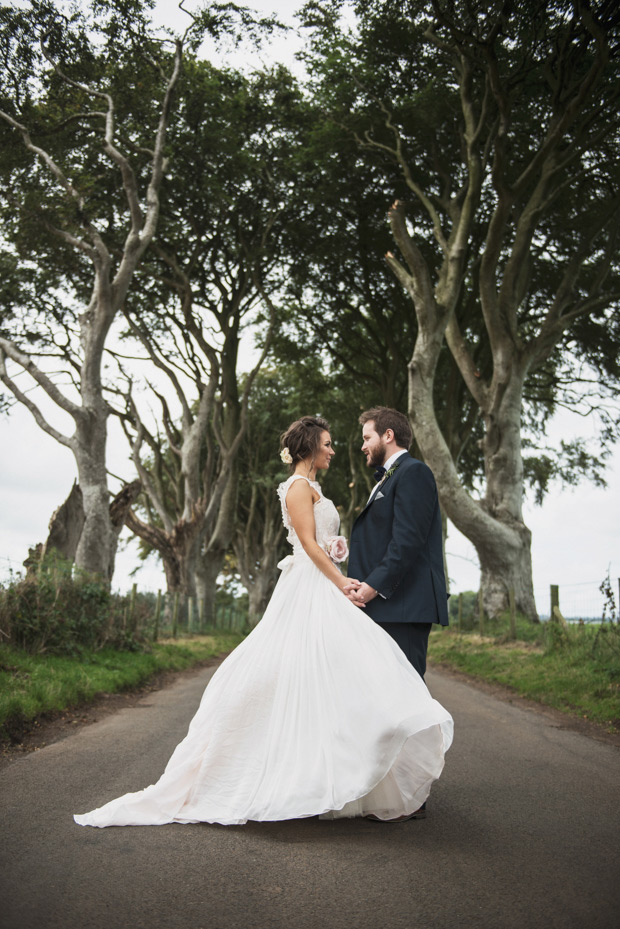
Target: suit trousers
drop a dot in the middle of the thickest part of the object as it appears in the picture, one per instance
(412, 638)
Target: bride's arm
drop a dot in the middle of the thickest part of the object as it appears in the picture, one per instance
(299, 504)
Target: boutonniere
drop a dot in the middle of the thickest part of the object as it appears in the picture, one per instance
(391, 471)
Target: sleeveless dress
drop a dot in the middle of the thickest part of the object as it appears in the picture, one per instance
(317, 711)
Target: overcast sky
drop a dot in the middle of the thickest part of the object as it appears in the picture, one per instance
(576, 534)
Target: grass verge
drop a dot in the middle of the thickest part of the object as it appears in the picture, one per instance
(33, 685)
(574, 669)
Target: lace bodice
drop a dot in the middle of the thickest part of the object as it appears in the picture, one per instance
(326, 518)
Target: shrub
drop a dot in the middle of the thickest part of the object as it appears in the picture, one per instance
(60, 610)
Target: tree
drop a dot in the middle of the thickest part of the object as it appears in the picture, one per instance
(343, 302)
(503, 125)
(219, 257)
(61, 86)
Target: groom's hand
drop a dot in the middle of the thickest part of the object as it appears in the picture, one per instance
(361, 595)
(350, 590)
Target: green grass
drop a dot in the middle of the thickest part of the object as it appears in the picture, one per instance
(33, 685)
(576, 670)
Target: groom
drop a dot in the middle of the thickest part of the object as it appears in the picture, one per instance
(396, 545)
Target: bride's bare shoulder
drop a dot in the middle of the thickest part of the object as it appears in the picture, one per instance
(300, 490)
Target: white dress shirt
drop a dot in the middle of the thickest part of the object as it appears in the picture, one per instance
(388, 464)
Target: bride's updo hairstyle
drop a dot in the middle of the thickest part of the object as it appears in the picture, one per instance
(303, 438)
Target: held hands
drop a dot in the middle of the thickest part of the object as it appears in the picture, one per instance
(359, 593)
(350, 587)
(350, 584)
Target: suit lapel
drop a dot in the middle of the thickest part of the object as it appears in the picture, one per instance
(387, 477)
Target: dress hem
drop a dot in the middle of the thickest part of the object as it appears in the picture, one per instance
(356, 797)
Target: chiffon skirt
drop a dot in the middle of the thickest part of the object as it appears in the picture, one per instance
(317, 711)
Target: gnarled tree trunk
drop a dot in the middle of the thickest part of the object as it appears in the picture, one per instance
(494, 524)
(112, 279)
(208, 568)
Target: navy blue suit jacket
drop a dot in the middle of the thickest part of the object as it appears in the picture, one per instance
(396, 547)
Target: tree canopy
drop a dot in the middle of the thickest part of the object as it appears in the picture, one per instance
(429, 222)
(502, 126)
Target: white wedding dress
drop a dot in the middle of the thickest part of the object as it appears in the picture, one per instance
(317, 711)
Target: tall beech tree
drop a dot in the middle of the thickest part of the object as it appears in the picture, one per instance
(218, 260)
(503, 124)
(62, 125)
(345, 305)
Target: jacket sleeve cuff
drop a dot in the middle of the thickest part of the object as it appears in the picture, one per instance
(379, 584)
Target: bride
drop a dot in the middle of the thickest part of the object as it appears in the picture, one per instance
(317, 711)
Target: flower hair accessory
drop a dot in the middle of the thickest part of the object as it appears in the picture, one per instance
(337, 549)
(286, 456)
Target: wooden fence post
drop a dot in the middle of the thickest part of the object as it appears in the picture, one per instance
(459, 621)
(513, 613)
(554, 592)
(480, 612)
(556, 613)
(157, 616)
(201, 613)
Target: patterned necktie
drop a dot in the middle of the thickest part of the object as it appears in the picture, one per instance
(379, 473)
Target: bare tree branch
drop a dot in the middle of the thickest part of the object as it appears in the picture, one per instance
(29, 404)
(26, 362)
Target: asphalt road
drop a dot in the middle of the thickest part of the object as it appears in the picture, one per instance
(522, 832)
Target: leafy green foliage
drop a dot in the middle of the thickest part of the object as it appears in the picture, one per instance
(610, 607)
(569, 463)
(224, 215)
(59, 610)
(381, 69)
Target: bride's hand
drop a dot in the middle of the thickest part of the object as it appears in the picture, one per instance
(350, 589)
(351, 583)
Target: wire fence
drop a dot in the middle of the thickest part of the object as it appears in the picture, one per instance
(175, 614)
(580, 602)
(154, 614)
(583, 601)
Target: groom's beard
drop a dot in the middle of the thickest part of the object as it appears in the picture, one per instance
(377, 459)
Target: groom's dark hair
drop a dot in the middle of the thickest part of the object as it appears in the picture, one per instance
(384, 418)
